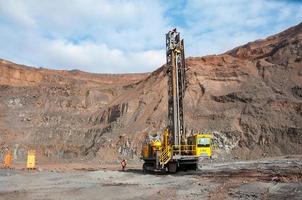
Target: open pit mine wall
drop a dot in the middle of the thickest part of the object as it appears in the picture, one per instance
(249, 97)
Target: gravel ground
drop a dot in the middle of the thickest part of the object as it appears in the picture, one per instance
(276, 178)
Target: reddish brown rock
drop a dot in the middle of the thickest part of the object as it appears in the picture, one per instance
(250, 98)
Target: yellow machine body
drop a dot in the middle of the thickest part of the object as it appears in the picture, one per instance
(145, 151)
(150, 147)
(156, 144)
(168, 156)
(202, 143)
(199, 145)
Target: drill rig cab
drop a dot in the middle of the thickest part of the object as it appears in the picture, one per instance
(174, 151)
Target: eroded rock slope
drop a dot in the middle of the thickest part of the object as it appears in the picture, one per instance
(250, 97)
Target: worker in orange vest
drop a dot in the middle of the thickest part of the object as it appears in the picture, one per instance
(123, 163)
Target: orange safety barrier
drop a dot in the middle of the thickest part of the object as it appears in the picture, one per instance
(8, 160)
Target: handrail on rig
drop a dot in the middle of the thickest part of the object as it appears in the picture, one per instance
(184, 149)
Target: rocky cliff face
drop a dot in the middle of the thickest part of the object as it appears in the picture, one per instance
(249, 97)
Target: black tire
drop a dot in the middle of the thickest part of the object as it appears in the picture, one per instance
(148, 167)
(195, 167)
(190, 167)
(172, 167)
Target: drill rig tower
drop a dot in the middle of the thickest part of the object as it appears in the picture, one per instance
(175, 151)
(176, 85)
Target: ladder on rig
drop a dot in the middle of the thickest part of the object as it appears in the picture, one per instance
(165, 156)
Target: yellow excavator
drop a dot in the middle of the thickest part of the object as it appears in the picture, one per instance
(174, 151)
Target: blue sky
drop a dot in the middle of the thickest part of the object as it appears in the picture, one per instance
(120, 36)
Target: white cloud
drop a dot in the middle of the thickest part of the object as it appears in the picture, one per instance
(215, 26)
(97, 36)
(16, 12)
(108, 60)
(118, 36)
(86, 56)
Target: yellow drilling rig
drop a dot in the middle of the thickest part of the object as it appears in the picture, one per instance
(174, 151)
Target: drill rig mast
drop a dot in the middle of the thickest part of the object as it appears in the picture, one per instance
(176, 85)
(175, 151)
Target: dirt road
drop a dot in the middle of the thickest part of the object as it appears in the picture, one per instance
(278, 178)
